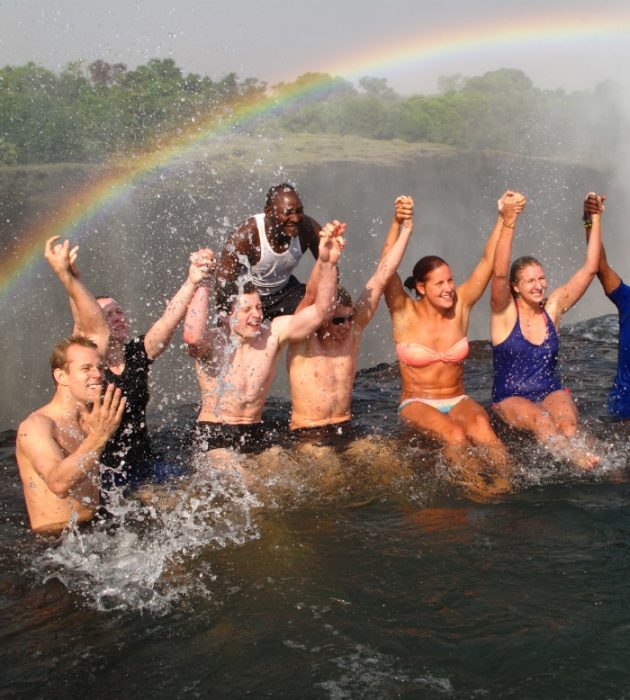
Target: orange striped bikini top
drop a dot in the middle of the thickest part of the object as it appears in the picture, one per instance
(417, 355)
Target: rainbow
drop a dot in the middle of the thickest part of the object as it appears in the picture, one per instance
(547, 29)
(72, 216)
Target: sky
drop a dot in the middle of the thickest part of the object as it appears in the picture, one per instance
(561, 44)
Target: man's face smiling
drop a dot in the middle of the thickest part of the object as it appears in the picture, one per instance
(338, 327)
(83, 374)
(285, 214)
(247, 315)
(115, 318)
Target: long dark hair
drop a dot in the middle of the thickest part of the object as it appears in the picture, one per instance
(421, 271)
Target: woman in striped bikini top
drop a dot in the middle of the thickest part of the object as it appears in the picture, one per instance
(433, 399)
(418, 355)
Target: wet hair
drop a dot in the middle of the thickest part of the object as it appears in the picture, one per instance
(275, 190)
(59, 357)
(421, 270)
(344, 297)
(518, 265)
(227, 293)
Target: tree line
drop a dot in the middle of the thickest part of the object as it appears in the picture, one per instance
(88, 113)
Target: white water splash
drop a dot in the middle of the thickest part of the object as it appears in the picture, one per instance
(147, 556)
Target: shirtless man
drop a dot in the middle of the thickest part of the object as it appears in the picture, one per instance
(322, 369)
(236, 361)
(58, 447)
(322, 366)
(268, 246)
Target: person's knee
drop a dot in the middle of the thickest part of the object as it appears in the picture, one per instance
(566, 425)
(480, 429)
(456, 435)
(544, 424)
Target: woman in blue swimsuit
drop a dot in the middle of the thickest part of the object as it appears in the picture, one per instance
(527, 393)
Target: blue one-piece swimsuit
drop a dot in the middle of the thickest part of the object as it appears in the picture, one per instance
(619, 398)
(525, 369)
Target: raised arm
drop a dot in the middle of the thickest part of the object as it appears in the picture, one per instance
(159, 335)
(564, 297)
(395, 295)
(304, 322)
(473, 288)
(196, 333)
(62, 472)
(86, 312)
(312, 284)
(511, 205)
(394, 249)
(610, 280)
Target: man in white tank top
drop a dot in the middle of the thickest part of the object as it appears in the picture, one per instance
(267, 247)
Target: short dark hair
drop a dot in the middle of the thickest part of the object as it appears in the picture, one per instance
(343, 296)
(229, 291)
(422, 269)
(275, 190)
(59, 357)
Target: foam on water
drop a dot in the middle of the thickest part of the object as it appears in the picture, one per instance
(150, 554)
(158, 549)
(143, 558)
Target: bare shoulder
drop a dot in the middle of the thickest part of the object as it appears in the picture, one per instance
(212, 348)
(244, 238)
(405, 309)
(555, 305)
(309, 233)
(37, 426)
(276, 327)
(301, 345)
(279, 329)
(467, 295)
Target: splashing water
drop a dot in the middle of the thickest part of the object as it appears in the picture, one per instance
(143, 558)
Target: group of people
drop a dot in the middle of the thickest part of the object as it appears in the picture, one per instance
(242, 307)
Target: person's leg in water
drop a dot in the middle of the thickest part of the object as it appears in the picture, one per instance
(561, 407)
(457, 447)
(475, 421)
(378, 461)
(553, 422)
(316, 451)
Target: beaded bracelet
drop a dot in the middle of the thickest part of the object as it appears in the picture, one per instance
(587, 221)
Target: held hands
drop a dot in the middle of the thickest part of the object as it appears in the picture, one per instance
(520, 200)
(593, 206)
(103, 419)
(331, 242)
(510, 206)
(403, 208)
(202, 263)
(62, 258)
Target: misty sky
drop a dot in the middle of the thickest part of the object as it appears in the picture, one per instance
(278, 40)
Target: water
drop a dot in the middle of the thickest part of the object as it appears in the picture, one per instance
(138, 249)
(397, 587)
